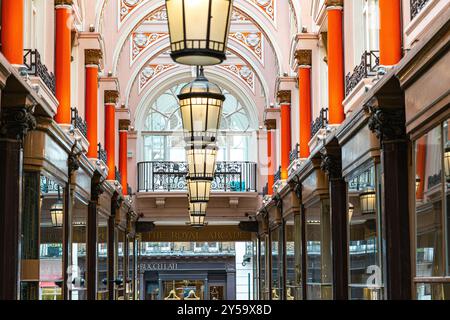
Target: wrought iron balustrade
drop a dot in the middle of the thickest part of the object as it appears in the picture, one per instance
(294, 154)
(416, 6)
(78, 122)
(277, 176)
(321, 122)
(35, 67)
(265, 190)
(118, 176)
(101, 153)
(162, 176)
(370, 61)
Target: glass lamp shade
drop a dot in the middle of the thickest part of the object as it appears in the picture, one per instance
(201, 160)
(197, 220)
(368, 201)
(447, 162)
(199, 190)
(201, 108)
(57, 214)
(351, 210)
(198, 208)
(199, 30)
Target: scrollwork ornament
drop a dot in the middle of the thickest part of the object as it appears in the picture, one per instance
(387, 124)
(16, 122)
(331, 166)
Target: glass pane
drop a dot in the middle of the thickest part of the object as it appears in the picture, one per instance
(79, 229)
(102, 258)
(447, 187)
(293, 258)
(262, 274)
(365, 281)
(276, 285)
(433, 291)
(428, 159)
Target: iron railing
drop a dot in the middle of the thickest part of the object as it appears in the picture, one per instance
(78, 122)
(171, 176)
(277, 176)
(118, 176)
(368, 67)
(294, 154)
(101, 153)
(265, 190)
(321, 122)
(35, 67)
(416, 6)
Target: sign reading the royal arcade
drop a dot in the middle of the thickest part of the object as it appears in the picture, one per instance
(210, 233)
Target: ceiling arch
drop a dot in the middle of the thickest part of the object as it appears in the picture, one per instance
(142, 15)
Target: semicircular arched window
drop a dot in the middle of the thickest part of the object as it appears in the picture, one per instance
(163, 131)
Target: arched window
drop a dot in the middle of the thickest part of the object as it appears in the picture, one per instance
(163, 130)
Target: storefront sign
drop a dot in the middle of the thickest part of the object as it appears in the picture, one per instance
(158, 266)
(185, 234)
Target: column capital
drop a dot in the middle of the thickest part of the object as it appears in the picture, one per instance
(124, 124)
(63, 2)
(15, 122)
(303, 57)
(387, 124)
(92, 56)
(335, 3)
(284, 96)
(111, 96)
(271, 124)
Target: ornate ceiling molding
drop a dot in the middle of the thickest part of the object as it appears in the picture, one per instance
(151, 71)
(244, 72)
(253, 41)
(141, 41)
(267, 7)
(125, 8)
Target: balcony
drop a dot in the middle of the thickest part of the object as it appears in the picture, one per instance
(35, 67)
(320, 122)
(78, 122)
(368, 67)
(101, 153)
(167, 176)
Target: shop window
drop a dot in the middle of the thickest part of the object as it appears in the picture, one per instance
(293, 258)
(432, 215)
(318, 251)
(102, 257)
(262, 268)
(276, 264)
(365, 281)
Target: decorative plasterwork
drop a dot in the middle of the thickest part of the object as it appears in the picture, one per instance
(140, 41)
(254, 41)
(239, 16)
(268, 7)
(243, 72)
(150, 71)
(126, 7)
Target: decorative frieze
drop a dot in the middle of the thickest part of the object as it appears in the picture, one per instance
(253, 41)
(267, 7)
(126, 7)
(141, 41)
(243, 72)
(151, 71)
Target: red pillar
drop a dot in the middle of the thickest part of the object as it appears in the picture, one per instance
(92, 60)
(335, 62)
(63, 48)
(270, 125)
(390, 32)
(284, 98)
(12, 30)
(123, 153)
(304, 75)
(110, 131)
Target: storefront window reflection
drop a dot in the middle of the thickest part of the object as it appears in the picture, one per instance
(365, 281)
(432, 217)
(102, 257)
(79, 238)
(318, 248)
(276, 270)
(262, 263)
(293, 258)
